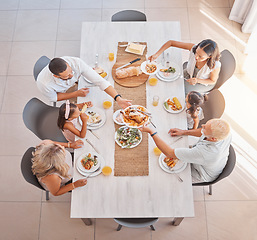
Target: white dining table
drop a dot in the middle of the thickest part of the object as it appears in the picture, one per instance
(159, 194)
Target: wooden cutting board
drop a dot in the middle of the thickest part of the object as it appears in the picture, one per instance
(125, 57)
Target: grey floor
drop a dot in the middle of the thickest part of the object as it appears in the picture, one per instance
(31, 28)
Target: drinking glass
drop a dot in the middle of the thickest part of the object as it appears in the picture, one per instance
(107, 170)
(155, 101)
(107, 104)
(111, 56)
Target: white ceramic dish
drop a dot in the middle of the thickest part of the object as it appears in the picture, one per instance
(172, 111)
(141, 53)
(172, 76)
(129, 124)
(116, 140)
(96, 125)
(93, 174)
(93, 168)
(179, 167)
(143, 65)
(115, 115)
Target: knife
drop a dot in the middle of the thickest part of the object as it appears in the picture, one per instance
(93, 133)
(137, 59)
(91, 145)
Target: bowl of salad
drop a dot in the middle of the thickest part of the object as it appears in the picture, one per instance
(127, 137)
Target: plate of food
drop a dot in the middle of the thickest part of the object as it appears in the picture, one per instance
(173, 105)
(102, 72)
(117, 117)
(127, 137)
(171, 165)
(96, 118)
(135, 48)
(94, 170)
(135, 116)
(88, 162)
(170, 73)
(149, 68)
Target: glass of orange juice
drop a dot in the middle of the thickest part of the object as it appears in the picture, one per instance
(107, 170)
(153, 81)
(107, 104)
(111, 56)
(157, 151)
(155, 101)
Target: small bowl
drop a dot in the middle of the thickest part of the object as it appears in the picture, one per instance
(143, 67)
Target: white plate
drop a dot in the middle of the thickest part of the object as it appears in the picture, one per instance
(135, 106)
(172, 76)
(141, 53)
(179, 167)
(99, 171)
(143, 65)
(93, 168)
(115, 115)
(172, 111)
(97, 125)
(132, 145)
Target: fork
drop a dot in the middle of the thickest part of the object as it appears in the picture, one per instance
(92, 172)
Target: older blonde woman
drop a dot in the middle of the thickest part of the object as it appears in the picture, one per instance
(52, 165)
(208, 157)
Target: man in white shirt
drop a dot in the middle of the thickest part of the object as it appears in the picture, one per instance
(62, 73)
(208, 157)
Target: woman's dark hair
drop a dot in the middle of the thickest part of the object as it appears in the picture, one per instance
(211, 49)
(57, 66)
(195, 99)
(61, 118)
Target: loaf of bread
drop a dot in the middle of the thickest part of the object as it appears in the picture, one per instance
(128, 72)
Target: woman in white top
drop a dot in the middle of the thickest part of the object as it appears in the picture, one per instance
(203, 67)
(52, 165)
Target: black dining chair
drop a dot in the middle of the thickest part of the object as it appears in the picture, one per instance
(227, 69)
(136, 222)
(26, 171)
(128, 16)
(41, 119)
(230, 165)
(41, 63)
(214, 107)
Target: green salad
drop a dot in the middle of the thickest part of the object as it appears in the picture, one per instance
(128, 137)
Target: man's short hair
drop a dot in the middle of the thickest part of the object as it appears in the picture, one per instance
(57, 66)
(220, 128)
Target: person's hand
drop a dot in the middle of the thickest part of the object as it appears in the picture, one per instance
(89, 104)
(175, 132)
(77, 144)
(146, 129)
(123, 102)
(192, 81)
(80, 183)
(153, 57)
(82, 92)
(83, 117)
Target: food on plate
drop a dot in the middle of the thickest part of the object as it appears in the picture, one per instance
(100, 71)
(177, 103)
(119, 118)
(128, 72)
(170, 162)
(89, 161)
(168, 70)
(134, 118)
(128, 137)
(150, 67)
(135, 48)
(174, 104)
(93, 117)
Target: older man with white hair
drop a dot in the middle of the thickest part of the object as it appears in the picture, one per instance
(208, 156)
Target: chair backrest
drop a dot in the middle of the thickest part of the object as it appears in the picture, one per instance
(41, 119)
(39, 65)
(213, 107)
(231, 162)
(228, 66)
(26, 168)
(128, 16)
